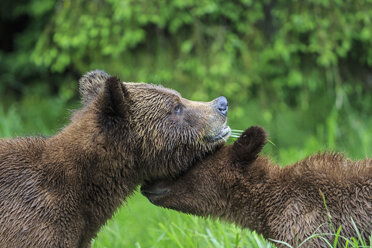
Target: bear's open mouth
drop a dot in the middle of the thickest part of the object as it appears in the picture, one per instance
(222, 135)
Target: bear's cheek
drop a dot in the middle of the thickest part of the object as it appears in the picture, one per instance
(206, 122)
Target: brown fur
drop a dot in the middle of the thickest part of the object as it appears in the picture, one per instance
(281, 203)
(58, 191)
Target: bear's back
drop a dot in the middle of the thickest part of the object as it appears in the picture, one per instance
(20, 153)
(20, 190)
(326, 184)
(335, 167)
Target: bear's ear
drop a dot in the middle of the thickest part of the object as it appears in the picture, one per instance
(114, 101)
(247, 147)
(91, 85)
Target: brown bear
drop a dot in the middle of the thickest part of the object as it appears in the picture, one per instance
(59, 191)
(287, 204)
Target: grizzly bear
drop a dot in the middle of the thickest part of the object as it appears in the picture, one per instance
(59, 191)
(316, 195)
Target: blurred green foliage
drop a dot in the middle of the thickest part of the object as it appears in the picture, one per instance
(285, 47)
(226, 46)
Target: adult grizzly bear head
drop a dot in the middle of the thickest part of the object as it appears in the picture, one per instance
(74, 181)
(157, 129)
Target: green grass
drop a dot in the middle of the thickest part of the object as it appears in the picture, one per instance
(140, 224)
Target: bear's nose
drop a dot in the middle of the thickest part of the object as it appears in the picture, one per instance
(222, 105)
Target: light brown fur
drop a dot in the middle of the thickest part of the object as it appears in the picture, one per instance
(283, 204)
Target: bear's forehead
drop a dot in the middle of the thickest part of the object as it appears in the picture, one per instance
(152, 87)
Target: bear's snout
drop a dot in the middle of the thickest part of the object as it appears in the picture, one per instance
(222, 105)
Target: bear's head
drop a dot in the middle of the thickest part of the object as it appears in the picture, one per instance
(153, 127)
(210, 186)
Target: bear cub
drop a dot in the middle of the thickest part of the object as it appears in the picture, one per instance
(287, 204)
(59, 191)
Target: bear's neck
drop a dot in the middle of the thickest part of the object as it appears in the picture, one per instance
(97, 175)
(251, 202)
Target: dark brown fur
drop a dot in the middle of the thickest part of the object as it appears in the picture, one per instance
(281, 203)
(58, 191)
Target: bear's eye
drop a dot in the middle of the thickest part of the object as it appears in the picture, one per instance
(178, 109)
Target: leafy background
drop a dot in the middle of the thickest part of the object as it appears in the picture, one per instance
(300, 69)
